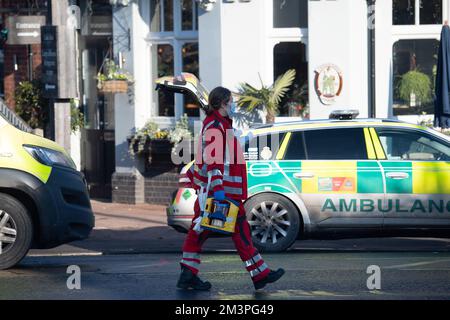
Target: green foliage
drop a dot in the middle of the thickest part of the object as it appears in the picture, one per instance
(299, 100)
(111, 71)
(150, 131)
(76, 116)
(268, 97)
(417, 83)
(181, 132)
(31, 106)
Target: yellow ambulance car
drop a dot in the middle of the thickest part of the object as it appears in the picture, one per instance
(339, 178)
(44, 200)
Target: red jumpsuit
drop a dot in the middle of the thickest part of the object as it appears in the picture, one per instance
(221, 157)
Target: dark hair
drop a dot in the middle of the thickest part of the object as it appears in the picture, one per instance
(217, 97)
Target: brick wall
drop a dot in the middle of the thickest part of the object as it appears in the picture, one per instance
(155, 188)
(11, 76)
(127, 188)
(160, 187)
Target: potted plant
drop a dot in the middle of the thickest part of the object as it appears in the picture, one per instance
(181, 134)
(297, 102)
(267, 97)
(415, 88)
(112, 79)
(31, 105)
(148, 141)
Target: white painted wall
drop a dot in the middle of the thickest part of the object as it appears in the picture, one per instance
(338, 35)
(383, 58)
(132, 110)
(232, 47)
(75, 148)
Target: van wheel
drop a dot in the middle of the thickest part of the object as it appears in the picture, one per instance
(16, 231)
(274, 222)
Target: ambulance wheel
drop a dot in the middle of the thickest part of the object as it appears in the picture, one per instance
(16, 231)
(274, 222)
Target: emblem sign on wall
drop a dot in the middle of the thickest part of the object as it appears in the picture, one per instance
(328, 83)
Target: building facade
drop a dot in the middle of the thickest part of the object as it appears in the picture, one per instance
(348, 54)
(227, 42)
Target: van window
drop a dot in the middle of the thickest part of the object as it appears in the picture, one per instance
(263, 147)
(333, 144)
(412, 145)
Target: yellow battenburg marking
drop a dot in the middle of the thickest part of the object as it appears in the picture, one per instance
(377, 144)
(370, 150)
(431, 177)
(282, 151)
(337, 177)
(19, 159)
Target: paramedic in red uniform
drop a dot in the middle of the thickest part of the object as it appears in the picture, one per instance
(222, 161)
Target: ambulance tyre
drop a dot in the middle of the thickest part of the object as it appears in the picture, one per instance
(16, 231)
(274, 222)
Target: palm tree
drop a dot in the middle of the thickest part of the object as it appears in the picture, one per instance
(268, 97)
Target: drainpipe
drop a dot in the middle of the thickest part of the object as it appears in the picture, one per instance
(371, 57)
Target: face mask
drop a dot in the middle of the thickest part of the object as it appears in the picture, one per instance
(231, 109)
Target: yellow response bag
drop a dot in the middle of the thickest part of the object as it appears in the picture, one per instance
(220, 216)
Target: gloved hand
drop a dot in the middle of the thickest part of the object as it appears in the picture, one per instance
(219, 195)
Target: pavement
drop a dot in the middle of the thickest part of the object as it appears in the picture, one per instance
(143, 229)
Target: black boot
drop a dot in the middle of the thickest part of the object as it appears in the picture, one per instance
(188, 280)
(271, 277)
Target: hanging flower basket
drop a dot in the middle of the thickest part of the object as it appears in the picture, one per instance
(112, 79)
(114, 86)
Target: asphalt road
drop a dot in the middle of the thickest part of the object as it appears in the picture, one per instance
(310, 274)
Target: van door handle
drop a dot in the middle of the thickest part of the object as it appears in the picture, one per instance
(303, 175)
(397, 175)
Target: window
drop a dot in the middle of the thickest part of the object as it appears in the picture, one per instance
(264, 147)
(403, 12)
(335, 144)
(290, 13)
(189, 11)
(297, 147)
(190, 64)
(419, 56)
(292, 55)
(413, 12)
(431, 12)
(174, 22)
(411, 145)
(161, 12)
(165, 66)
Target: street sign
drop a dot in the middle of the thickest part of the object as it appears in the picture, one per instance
(99, 26)
(24, 29)
(49, 62)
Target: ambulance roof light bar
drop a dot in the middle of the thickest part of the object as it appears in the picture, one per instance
(344, 114)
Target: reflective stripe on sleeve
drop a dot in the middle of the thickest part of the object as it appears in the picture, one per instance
(231, 190)
(215, 183)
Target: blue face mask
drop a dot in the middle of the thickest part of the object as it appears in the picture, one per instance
(231, 109)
